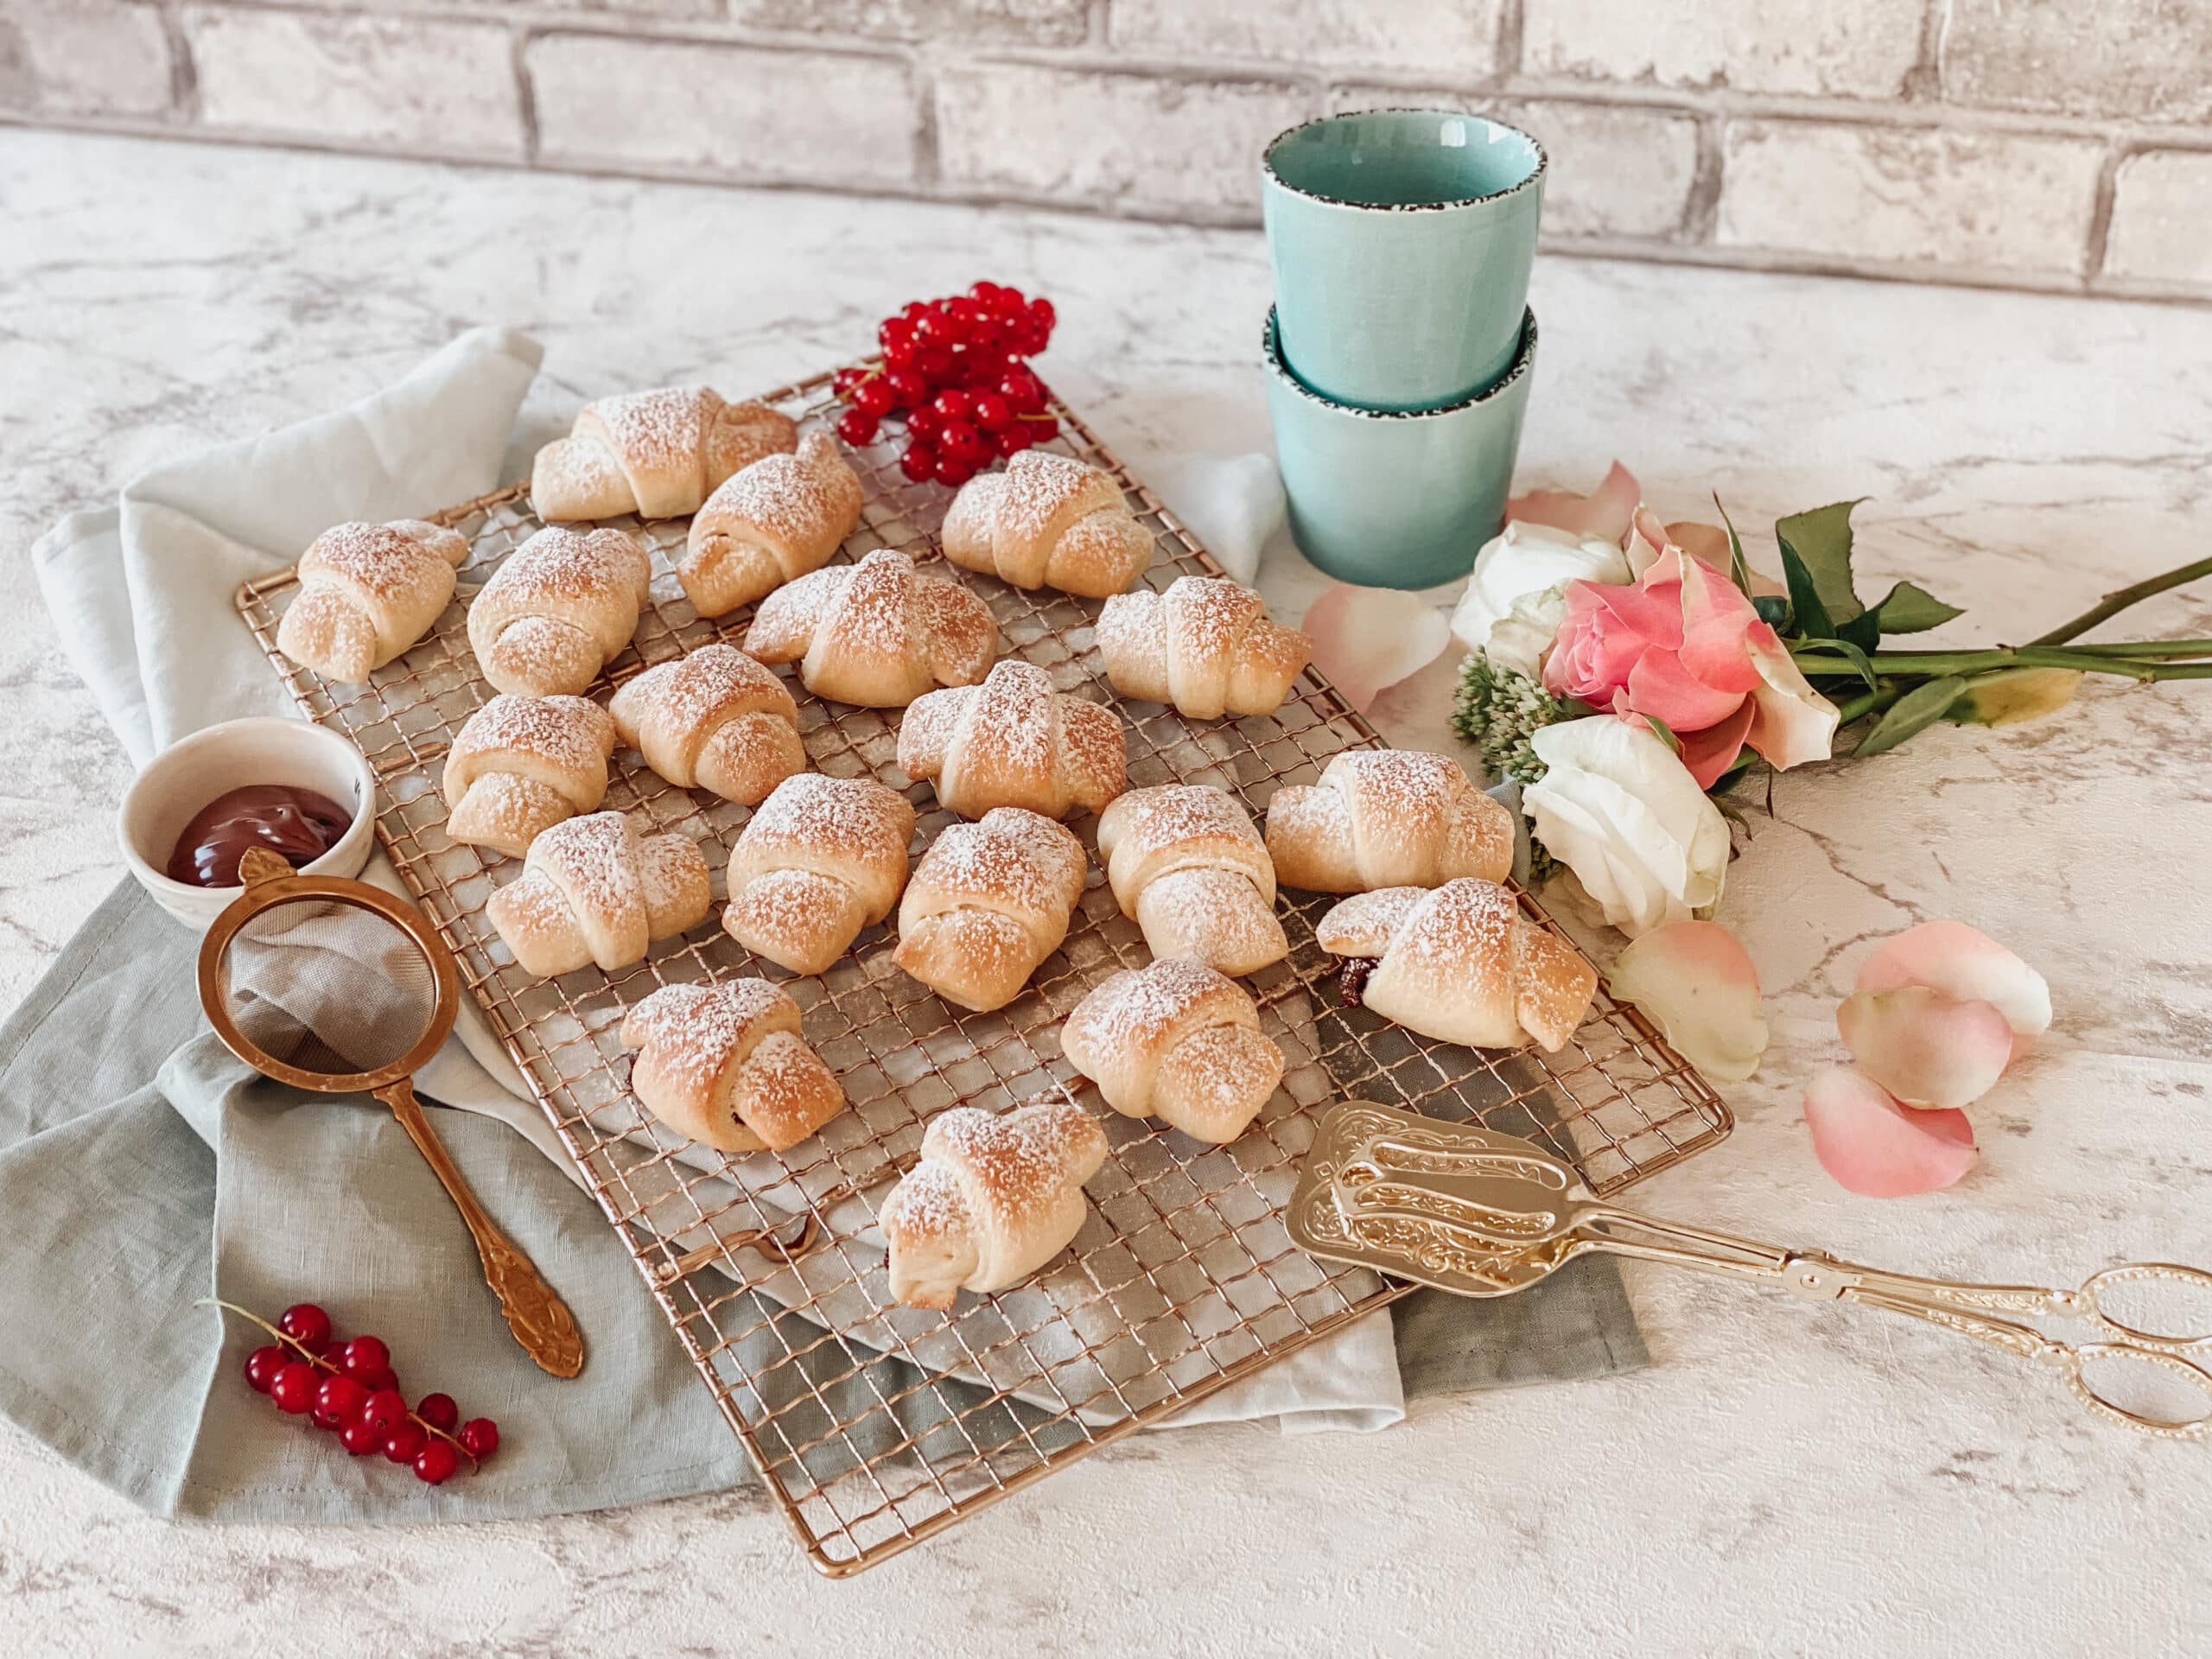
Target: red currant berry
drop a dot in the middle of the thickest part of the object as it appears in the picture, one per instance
(874, 395)
(307, 1325)
(1043, 430)
(1031, 337)
(262, 1364)
(385, 1409)
(958, 438)
(1011, 303)
(901, 356)
(913, 311)
(894, 331)
(933, 362)
(480, 1438)
(908, 387)
(405, 1443)
(985, 293)
(1024, 390)
(986, 334)
(993, 411)
(1012, 440)
(922, 420)
(1041, 314)
(436, 1462)
(364, 1354)
(438, 1410)
(939, 330)
(293, 1387)
(953, 405)
(918, 463)
(341, 1397)
(952, 473)
(377, 1381)
(359, 1437)
(856, 427)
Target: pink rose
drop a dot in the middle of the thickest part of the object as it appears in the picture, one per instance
(1684, 646)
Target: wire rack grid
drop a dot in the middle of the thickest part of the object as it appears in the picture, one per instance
(873, 1426)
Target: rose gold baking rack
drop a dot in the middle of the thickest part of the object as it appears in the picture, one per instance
(872, 1425)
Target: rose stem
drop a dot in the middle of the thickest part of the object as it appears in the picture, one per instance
(2113, 603)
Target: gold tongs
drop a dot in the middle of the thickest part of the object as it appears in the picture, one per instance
(1482, 1214)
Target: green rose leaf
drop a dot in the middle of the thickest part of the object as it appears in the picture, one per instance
(1773, 611)
(1806, 608)
(2005, 696)
(1665, 731)
(1916, 711)
(1820, 540)
(1851, 653)
(1739, 570)
(1909, 608)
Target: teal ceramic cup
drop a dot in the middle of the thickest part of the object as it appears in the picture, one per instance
(1397, 500)
(1401, 241)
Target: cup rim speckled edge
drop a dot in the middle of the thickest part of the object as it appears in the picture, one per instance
(1524, 357)
(1267, 165)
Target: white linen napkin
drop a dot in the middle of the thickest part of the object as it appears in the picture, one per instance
(142, 595)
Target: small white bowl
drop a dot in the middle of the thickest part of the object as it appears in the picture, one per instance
(194, 771)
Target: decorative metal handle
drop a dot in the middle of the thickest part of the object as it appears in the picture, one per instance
(539, 1318)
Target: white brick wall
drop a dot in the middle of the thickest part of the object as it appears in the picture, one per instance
(2049, 144)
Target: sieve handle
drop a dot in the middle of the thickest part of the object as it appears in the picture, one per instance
(539, 1318)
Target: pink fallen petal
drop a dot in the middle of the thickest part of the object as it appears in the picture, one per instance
(1366, 639)
(1929, 1050)
(1695, 981)
(1876, 1147)
(1967, 964)
(1604, 512)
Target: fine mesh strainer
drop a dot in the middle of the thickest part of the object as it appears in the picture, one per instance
(334, 985)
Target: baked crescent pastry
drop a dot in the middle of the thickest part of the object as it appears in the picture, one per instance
(779, 518)
(562, 605)
(1047, 521)
(1205, 645)
(522, 765)
(1462, 965)
(655, 454)
(1387, 818)
(821, 858)
(725, 1065)
(593, 889)
(988, 902)
(1014, 741)
(368, 592)
(1178, 1042)
(1184, 861)
(714, 720)
(993, 1199)
(877, 632)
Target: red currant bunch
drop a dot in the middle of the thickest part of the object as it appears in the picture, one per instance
(350, 1390)
(957, 371)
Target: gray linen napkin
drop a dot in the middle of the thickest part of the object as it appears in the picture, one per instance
(141, 1165)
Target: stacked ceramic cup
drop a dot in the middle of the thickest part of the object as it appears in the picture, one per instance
(1401, 344)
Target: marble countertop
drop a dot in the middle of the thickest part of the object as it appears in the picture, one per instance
(1785, 1477)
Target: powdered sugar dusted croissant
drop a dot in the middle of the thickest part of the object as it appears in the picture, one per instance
(877, 632)
(780, 517)
(725, 1065)
(368, 592)
(988, 902)
(522, 765)
(561, 605)
(1206, 645)
(821, 858)
(1176, 1041)
(1014, 741)
(1184, 861)
(1461, 963)
(1047, 521)
(714, 720)
(593, 889)
(655, 454)
(1387, 818)
(993, 1199)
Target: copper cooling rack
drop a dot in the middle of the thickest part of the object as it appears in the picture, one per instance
(872, 1425)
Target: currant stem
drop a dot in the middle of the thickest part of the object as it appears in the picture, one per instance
(317, 1360)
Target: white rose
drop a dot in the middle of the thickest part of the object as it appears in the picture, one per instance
(1518, 592)
(1617, 807)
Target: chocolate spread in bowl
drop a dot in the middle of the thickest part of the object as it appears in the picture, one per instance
(297, 825)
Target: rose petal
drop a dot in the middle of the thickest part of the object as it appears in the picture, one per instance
(1696, 983)
(1367, 638)
(1707, 542)
(1713, 751)
(1660, 684)
(1648, 543)
(1718, 625)
(1928, 1049)
(1794, 723)
(1604, 512)
(1879, 1148)
(1968, 965)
